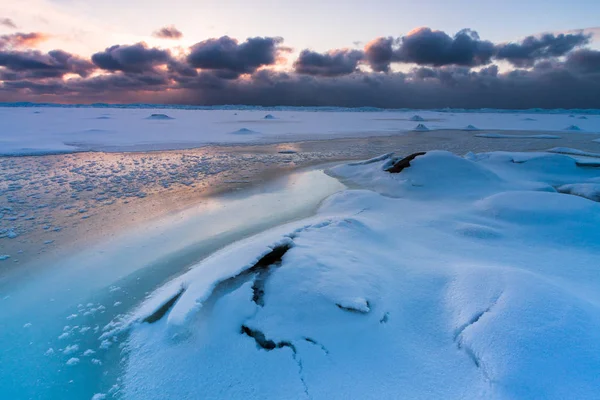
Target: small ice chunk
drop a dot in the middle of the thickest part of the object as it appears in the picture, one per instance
(269, 116)
(71, 349)
(470, 128)
(99, 396)
(421, 128)
(27, 325)
(49, 352)
(417, 118)
(73, 361)
(88, 352)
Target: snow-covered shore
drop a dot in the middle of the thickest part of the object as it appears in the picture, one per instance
(47, 130)
(455, 277)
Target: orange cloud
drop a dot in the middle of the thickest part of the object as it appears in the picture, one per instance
(20, 39)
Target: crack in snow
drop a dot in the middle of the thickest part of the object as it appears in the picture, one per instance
(458, 338)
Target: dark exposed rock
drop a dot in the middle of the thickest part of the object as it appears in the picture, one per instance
(398, 166)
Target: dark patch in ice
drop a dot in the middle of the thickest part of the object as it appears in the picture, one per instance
(103, 117)
(269, 116)
(162, 311)
(385, 318)
(399, 165)
(587, 164)
(313, 341)
(263, 269)
(264, 343)
(287, 152)
(159, 117)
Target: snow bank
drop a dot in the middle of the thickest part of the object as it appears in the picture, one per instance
(453, 278)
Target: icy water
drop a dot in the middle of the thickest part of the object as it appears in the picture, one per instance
(55, 311)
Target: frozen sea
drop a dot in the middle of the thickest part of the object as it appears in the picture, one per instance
(249, 253)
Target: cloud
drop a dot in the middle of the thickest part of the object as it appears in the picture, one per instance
(168, 32)
(585, 61)
(226, 71)
(379, 53)
(8, 23)
(230, 59)
(136, 58)
(532, 49)
(22, 40)
(425, 46)
(332, 63)
(33, 64)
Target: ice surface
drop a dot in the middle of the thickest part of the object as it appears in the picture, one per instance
(63, 130)
(454, 278)
(504, 136)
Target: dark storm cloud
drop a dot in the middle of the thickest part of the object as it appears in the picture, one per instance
(532, 49)
(7, 22)
(428, 47)
(35, 64)
(585, 61)
(332, 63)
(425, 46)
(380, 53)
(136, 58)
(231, 58)
(168, 32)
(561, 75)
(22, 39)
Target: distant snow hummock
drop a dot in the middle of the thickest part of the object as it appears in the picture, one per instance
(421, 128)
(470, 128)
(269, 116)
(159, 116)
(244, 131)
(572, 128)
(417, 118)
(454, 278)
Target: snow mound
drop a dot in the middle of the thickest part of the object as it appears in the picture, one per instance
(269, 116)
(590, 191)
(470, 128)
(104, 117)
(529, 119)
(159, 117)
(421, 128)
(244, 131)
(491, 280)
(417, 118)
(573, 128)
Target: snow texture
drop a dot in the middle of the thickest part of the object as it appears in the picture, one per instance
(457, 277)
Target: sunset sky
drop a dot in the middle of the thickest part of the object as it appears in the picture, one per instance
(429, 53)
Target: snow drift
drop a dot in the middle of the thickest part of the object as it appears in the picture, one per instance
(455, 277)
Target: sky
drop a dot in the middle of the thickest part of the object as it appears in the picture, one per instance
(327, 45)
